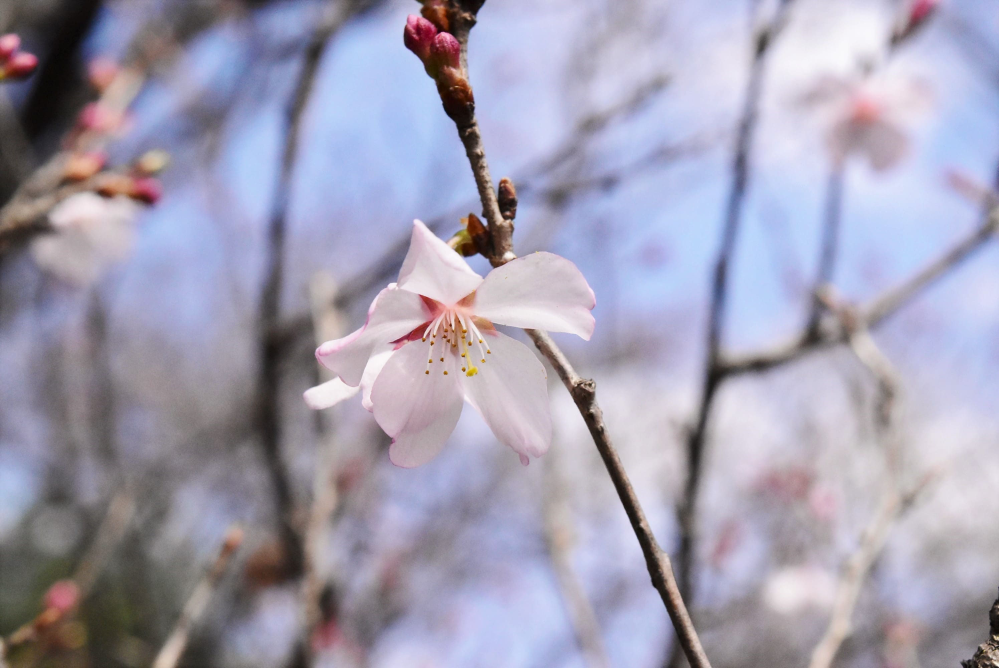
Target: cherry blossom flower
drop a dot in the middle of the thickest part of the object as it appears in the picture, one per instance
(429, 344)
(90, 234)
(868, 116)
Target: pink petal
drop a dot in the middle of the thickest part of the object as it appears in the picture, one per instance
(434, 270)
(393, 314)
(418, 410)
(510, 391)
(328, 394)
(885, 145)
(538, 291)
(371, 371)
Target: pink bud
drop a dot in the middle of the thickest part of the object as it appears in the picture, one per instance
(445, 51)
(21, 65)
(101, 72)
(9, 44)
(418, 35)
(147, 190)
(62, 596)
(921, 10)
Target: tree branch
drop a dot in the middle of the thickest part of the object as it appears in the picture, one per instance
(583, 391)
(173, 649)
(987, 655)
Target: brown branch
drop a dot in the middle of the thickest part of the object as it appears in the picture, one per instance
(829, 248)
(987, 655)
(583, 391)
(173, 649)
(660, 569)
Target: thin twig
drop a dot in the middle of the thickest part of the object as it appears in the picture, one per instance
(713, 377)
(559, 536)
(173, 649)
(463, 14)
(583, 393)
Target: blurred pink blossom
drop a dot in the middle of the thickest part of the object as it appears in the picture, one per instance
(429, 343)
(62, 596)
(90, 234)
(796, 589)
(868, 117)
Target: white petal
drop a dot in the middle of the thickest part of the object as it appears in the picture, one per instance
(510, 391)
(371, 371)
(538, 291)
(418, 410)
(394, 314)
(434, 270)
(329, 394)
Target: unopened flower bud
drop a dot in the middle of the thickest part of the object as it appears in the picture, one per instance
(81, 166)
(462, 243)
(445, 52)
(507, 197)
(418, 35)
(96, 117)
(62, 596)
(152, 162)
(233, 539)
(113, 185)
(9, 44)
(20, 65)
(146, 190)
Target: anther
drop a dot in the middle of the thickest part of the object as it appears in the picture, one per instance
(425, 340)
(442, 359)
(483, 359)
(445, 373)
(427, 372)
(431, 343)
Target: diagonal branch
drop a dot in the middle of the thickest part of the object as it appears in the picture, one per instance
(583, 391)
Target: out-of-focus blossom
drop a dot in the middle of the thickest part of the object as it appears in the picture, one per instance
(63, 596)
(81, 166)
(915, 17)
(102, 72)
(429, 343)
(14, 63)
(795, 589)
(868, 117)
(90, 234)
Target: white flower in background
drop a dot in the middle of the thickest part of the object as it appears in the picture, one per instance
(796, 589)
(90, 234)
(868, 116)
(429, 344)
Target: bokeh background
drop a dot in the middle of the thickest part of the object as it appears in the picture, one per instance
(140, 391)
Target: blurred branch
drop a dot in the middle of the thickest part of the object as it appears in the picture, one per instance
(463, 16)
(559, 536)
(894, 500)
(173, 649)
(829, 248)
(987, 655)
(874, 313)
(328, 325)
(687, 510)
(334, 16)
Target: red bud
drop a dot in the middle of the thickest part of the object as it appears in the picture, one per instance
(445, 51)
(418, 36)
(21, 65)
(62, 596)
(147, 190)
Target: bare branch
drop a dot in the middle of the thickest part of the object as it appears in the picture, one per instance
(173, 649)
(583, 391)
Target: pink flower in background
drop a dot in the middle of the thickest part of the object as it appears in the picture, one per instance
(868, 117)
(429, 344)
(90, 234)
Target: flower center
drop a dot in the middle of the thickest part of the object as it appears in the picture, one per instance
(457, 334)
